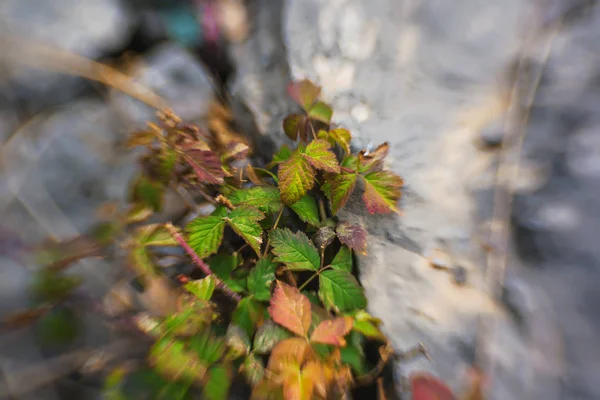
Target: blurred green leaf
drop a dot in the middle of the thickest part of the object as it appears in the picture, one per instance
(248, 314)
(218, 383)
(268, 335)
(261, 277)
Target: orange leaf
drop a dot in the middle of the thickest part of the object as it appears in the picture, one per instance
(316, 373)
(427, 387)
(290, 309)
(333, 331)
(297, 386)
(288, 355)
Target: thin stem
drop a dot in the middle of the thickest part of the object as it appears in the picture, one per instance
(348, 170)
(175, 234)
(308, 281)
(322, 209)
(274, 227)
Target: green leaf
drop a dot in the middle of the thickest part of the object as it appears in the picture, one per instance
(296, 177)
(382, 192)
(306, 208)
(342, 137)
(368, 325)
(139, 259)
(321, 112)
(338, 189)
(267, 336)
(218, 383)
(244, 221)
(171, 359)
(155, 235)
(351, 162)
(355, 358)
(222, 265)
(282, 155)
(304, 92)
(148, 384)
(59, 327)
(206, 165)
(149, 192)
(353, 236)
(207, 347)
(253, 369)
(202, 288)
(167, 158)
(205, 234)
(318, 153)
(340, 291)
(191, 319)
(294, 125)
(261, 277)
(294, 250)
(343, 260)
(237, 341)
(248, 314)
(265, 198)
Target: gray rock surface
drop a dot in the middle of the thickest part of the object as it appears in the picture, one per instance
(427, 76)
(91, 28)
(173, 73)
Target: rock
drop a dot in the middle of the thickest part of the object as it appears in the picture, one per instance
(492, 135)
(91, 28)
(176, 75)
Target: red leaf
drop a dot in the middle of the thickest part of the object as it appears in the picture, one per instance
(333, 331)
(382, 192)
(353, 236)
(318, 153)
(290, 309)
(304, 93)
(206, 164)
(427, 387)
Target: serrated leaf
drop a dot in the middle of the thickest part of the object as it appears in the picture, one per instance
(248, 314)
(261, 277)
(340, 291)
(338, 189)
(304, 92)
(324, 237)
(267, 336)
(321, 111)
(318, 153)
(218, 383)
(237, 341)
(208, 348)
(355, 359)
(353, 236)
(222, 265)
(138, 213)
(282, 155)
(206, 165)
(290, 309)
(307, 210)
(290, 353)
(427, 387)
(382, 192)
(294, 250)
(253, 369)
(202, 288)
(244, 221)
(342, 137)
(265, 198)
(343, 259)
(296, 177)
(373, 161)
(205, 234)
(171, 359)
(294, 125)
(149, 192)
(332, 332)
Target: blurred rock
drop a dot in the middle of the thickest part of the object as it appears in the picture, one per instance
(173, 73)
(91, 28)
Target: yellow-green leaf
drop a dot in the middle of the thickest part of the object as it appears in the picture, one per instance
(321, 112)
(343, 260)
(382, 192)
(342, 137)
(244, 221)
(318, 153)
(265, 198)
(306, 208)
(296, 176)
(294, 250)
(207, 347)
(204, 234)
(138, 213)
(202, 288)
(338, 189)
(218, 383)
(171, 359)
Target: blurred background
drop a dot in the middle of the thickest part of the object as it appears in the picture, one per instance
(470, 94)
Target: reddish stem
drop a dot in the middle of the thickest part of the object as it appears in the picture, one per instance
(175, 234)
